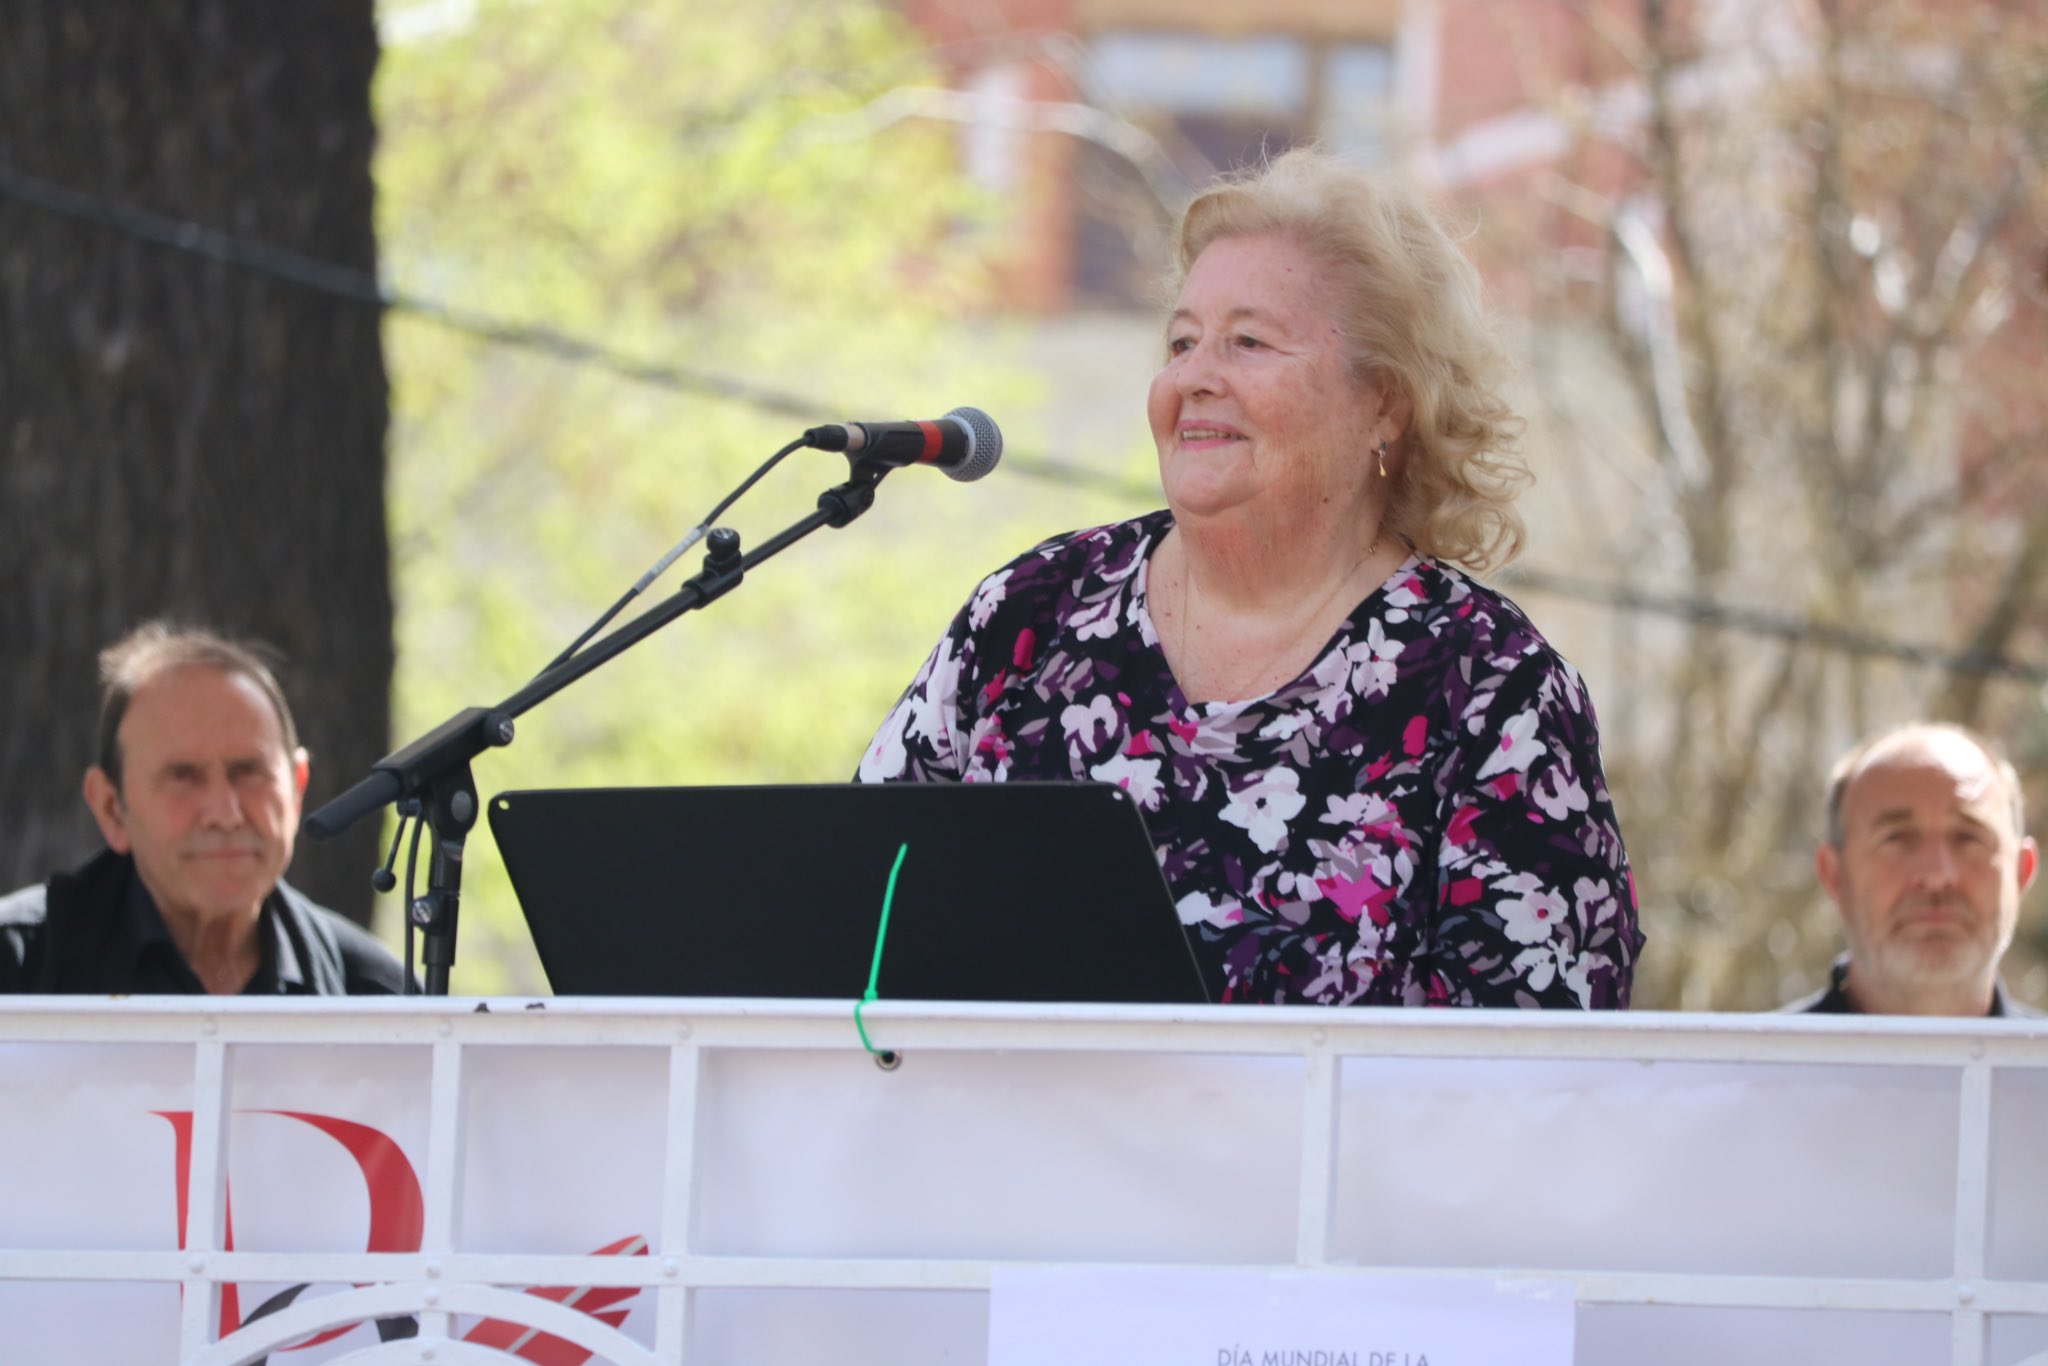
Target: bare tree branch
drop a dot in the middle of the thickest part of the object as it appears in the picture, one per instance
(2021, 592)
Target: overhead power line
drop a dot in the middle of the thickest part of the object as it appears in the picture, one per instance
(1803, 630)
(347, 282)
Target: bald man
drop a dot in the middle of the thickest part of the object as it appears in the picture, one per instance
(1926, 858)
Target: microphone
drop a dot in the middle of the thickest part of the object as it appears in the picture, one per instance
(964, 443)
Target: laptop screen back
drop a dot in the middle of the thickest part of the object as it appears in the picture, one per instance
(1036, 892)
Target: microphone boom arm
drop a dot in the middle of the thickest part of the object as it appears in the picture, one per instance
(434, 769)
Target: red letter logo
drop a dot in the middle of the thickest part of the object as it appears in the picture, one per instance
(397, 1219)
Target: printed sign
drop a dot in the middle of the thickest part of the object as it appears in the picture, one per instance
(1199, 1317)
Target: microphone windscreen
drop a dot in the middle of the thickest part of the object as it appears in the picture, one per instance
(985, 444)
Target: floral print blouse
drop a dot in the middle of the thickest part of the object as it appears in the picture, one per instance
(1419, 819)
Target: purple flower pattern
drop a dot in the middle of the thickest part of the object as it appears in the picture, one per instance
(1420, 818)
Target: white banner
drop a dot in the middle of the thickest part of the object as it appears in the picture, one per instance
(738, 1184)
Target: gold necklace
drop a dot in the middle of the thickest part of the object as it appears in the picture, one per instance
(1290, 644)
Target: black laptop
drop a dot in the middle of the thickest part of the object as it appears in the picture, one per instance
(1035, 892)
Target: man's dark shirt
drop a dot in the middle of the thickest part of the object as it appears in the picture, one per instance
(1834, 999)
(97, 931)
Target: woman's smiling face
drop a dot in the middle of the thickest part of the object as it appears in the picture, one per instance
(1257, 405)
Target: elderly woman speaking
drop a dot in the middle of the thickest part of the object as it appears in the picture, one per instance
(1370, 780)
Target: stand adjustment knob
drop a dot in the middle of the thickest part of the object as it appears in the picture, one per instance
(722, 548)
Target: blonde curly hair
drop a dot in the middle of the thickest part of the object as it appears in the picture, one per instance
(1410, 304)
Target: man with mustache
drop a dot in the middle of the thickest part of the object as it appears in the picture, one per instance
(197, 794)
(1926, 858)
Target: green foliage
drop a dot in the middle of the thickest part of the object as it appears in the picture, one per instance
(673, 181)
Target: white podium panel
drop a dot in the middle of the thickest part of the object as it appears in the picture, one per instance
(841, 1327)
(2018, 1341)
(60, 1193)
(1686, 1335)
(215, 1182)
(91, 1323)
(563, 1148)
(1769, 1168)
(2019, 1173)
(1025, 1156)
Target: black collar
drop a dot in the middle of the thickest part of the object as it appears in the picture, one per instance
(1835, 1000)
(141, 949)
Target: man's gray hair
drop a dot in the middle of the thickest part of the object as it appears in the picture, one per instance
(1850, 764)
(156, 648)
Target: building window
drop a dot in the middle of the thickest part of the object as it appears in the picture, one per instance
(1212, 103)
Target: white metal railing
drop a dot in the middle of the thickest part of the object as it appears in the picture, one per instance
(1896, 1193)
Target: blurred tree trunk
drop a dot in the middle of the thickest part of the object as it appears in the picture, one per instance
(180, 436)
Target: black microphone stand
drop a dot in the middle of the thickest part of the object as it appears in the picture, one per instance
(434, 769)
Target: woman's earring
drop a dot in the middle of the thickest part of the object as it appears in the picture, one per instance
(1383, 459)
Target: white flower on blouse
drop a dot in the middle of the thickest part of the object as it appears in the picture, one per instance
(1574, 690)
(884, 757)
(1557, 793)
(1285, 726)
(1538, 967)
(1197, 909)
(1532, 916)
(1263, 806)
(1303, 887)
(1406, 593)
(1139, 777)
(1372, 662)
(1138, 619)
(1327, 679)
(1593, 899)
(1081, 722)
(1353, 809)
(1578, 975)
(1518, 747)
(987, 598)
(1094, 620)
(928, 713)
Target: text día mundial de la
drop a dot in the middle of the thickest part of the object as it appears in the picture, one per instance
(1298, 1356)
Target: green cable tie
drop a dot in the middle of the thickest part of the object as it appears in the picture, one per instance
(881, 934)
